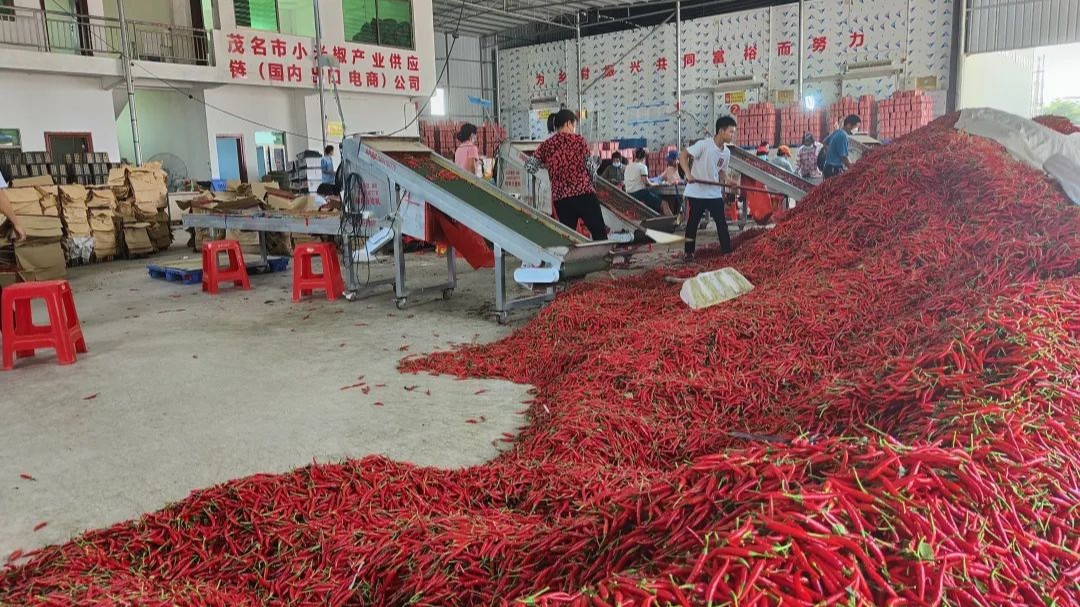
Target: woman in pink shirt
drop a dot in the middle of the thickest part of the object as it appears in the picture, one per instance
(468, 154)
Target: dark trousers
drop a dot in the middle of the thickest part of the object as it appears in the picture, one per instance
(715, 207)
(585, 207)
(832, 171)
(649, 199)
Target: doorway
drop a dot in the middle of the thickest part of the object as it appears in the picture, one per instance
(59, 145)
(230, 153)
(68, 26)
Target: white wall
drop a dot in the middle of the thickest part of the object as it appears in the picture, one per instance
(160, 113)
(36, 104)
(1001, 80)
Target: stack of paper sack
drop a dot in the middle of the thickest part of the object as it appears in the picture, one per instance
(78, 237)
(41, 255)
(101, 210)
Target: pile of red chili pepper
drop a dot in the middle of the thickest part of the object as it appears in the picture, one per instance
(889, 418)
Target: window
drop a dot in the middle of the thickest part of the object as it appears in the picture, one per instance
(257, 14)
(7, 10)
(381, 22)
(296, 17)
(438, 102)
(10, 138)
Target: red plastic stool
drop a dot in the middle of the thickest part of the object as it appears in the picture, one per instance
(306, 281)
(213, 274)
(21, 336)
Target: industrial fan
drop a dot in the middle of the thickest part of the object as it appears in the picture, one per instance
(176, 170)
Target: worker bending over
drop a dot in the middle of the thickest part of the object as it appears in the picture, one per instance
(707, 178)
(571, 170)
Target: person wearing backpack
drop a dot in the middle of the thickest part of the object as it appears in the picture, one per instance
(833, 158)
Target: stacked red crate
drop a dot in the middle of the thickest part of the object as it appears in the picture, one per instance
(757, 123)
(904, 112)
(604, 149)
(442, 137)
(865, 107)
(657, 161)
(795, 121)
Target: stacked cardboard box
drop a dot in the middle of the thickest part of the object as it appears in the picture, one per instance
(796, 121)
(40, 256)
(757, 123)
(904, 112)
(101, 210)
(864, 107)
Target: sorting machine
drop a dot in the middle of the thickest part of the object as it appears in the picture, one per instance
(401, 185)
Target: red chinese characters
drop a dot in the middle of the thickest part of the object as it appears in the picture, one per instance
(236, 44)
(395, 61)
(378, 60)
(237, 69)
(399, 83)
(356, 78)
(718, 57)
(299, 51)
(562, 76)
(609, 71)
(857, 40)
(413, 63)
(819, 44)
(258, 46)
(414, 83)
(539, 79)
(661, 64)
(294, 74)
(783, 49)
(372, 79)
(341, 54)
(750, 53)
(275, 72)
(585, 72)
(689, 60)
(357, 55)
(278, 47)
(635, 67)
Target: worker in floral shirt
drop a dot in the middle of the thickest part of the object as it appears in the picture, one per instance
(806, 159)
(572, 169)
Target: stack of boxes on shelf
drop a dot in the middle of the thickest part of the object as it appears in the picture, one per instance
(902, 113)
(865, 107)
(657, 161)
(84, 168)
(41, 255)
(88, 168)
(796, 121)
(757, 123)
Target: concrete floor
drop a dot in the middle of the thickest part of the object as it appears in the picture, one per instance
(182, 390)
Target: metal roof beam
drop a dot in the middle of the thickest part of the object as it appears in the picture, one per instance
(487, 11)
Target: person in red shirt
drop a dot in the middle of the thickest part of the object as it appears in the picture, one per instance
(571, 169)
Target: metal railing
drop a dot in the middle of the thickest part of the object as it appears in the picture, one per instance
(96, 36)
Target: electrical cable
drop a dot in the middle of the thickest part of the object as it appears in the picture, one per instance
(442, 72)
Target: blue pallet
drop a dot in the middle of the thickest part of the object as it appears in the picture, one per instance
(187, 277)
(191, 276)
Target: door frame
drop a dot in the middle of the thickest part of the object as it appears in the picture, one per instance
(89, 137)
(82, 20)
(239, 153)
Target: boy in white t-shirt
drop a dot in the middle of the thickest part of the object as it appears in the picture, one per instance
(636, 184)
(707, 179)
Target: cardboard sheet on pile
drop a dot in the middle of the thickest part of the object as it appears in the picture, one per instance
(29, 182)
(137, 239)
(25, 201)
(711, 288)
(41, 260)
